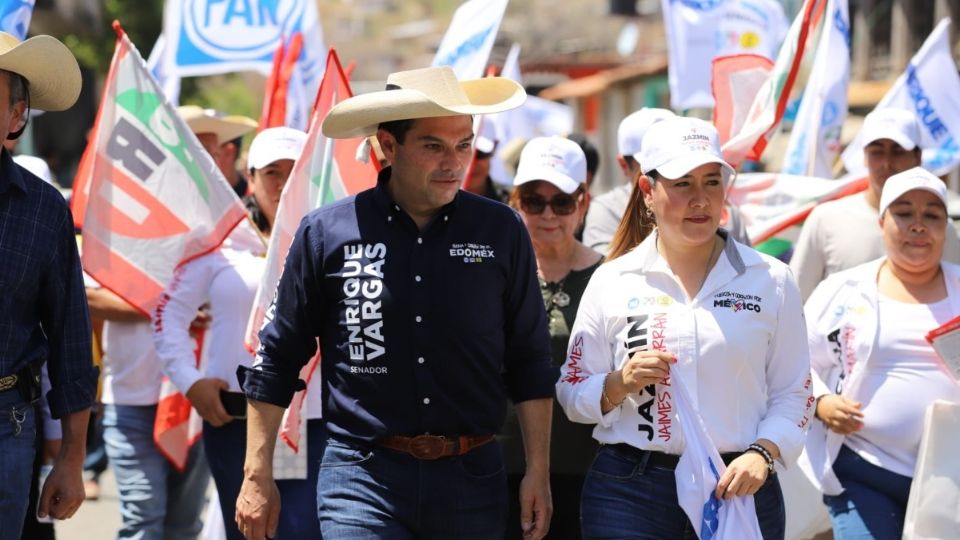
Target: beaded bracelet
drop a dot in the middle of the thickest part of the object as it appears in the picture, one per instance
(765, 454)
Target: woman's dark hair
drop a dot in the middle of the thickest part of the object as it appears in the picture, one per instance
(636, 224)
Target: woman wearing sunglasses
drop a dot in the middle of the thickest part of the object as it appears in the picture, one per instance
(688, 304)
(549, 195)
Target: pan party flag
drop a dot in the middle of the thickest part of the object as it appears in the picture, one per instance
(467, 44)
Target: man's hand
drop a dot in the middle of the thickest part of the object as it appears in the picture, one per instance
(842, 415)
(204, 395)
(63, 491)
(744, 476)
(258, 508)
(536, 505)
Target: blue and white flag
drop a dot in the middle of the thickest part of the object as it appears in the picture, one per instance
(697, 475)
(15, 17)
(931, 87)
(157, 64)
(815, 138)
(700, 30)
(467, 44)
(210, 37)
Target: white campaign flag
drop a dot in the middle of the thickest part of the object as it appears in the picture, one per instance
(157, 64)
(15, 17)
(930, 87)
(698, 471)
(700, 30)
(211, 37)
(467, 44)
(815, 138)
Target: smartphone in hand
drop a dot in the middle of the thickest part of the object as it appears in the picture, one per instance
(235, 404)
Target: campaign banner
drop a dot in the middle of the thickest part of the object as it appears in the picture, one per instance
(467, 44)
(15, 17)
(930, 86)
(815, 139)
(149, 196)
(768, 106)
(700, 30)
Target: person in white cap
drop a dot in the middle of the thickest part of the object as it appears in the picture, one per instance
(874, 373)
(549, 192)
(43, 311)
(607, 210)
(425, 301)
(227, 280)
(838, 235)
(688, 305)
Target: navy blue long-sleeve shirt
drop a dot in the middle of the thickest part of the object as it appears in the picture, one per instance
(420, 331)
(43, 308)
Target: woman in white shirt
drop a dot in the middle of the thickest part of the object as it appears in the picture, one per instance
(687, 303)
(227, 280)
(874, 373)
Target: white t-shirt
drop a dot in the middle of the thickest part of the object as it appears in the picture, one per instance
(227, 279)
(898, 383)
(741, 349)
(131, 369)
(842, 234)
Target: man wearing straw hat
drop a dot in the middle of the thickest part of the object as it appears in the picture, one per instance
(43, 311)
(428, 313)
(220, 136)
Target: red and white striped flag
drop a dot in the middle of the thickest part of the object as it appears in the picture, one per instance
(149, 198)
(327, 171)
(767, 107)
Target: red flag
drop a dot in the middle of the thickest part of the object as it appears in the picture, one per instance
(277, 90)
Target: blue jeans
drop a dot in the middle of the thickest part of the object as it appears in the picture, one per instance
(226, 449)
(369, 492)
(156, 501)
(625, 498)
(873, 504)
(17, 452)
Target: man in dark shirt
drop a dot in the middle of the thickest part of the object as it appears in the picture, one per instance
(428, 313)
(43, 310)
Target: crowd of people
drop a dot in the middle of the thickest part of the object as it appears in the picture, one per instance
(494, 362)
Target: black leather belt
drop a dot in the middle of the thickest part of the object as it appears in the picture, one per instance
(660, 459)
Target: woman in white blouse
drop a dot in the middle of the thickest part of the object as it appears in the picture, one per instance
(227, 280)
(874, 373)
(687, 303)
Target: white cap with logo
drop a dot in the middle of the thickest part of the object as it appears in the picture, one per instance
(557, 160)
(898, 125)
(916, 178)
(675, 146)
(632, 128)
(274, 144)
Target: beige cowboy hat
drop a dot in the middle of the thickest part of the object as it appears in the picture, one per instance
(48, 66)
(421, 93)
(226, 128)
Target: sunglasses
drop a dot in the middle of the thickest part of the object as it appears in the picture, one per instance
(561, 204)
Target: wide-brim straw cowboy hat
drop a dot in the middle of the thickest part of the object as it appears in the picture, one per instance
(48, 66)
(421, 93)
(226, 128)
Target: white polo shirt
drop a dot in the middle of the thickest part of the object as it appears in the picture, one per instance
(740, 345)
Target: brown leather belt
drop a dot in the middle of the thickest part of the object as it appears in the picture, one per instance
(8, 382)
(430, 447)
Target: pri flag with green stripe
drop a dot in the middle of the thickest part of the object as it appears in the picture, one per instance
(151, 197)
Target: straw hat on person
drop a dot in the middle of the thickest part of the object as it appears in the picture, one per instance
(226, 128)
(421, 93)
(48, 66)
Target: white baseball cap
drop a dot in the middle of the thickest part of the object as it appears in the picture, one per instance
(898, 125)
(675, 146)
(909, 180)
(632, 128)
(557, 160)
(274, 144)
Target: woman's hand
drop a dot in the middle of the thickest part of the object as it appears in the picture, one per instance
(642, 369)
(842, 415)
(744, 476)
